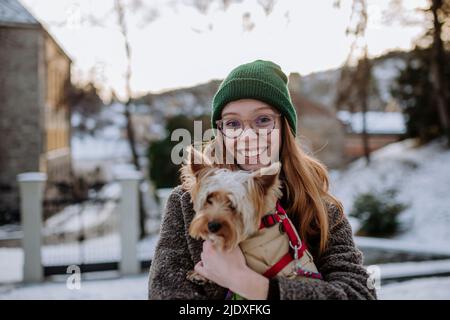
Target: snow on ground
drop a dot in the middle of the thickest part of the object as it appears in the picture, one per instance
(404, 246)
(101, 249)
(422, 177)
(418, 289)
(414, 269)
(77, 217)
(107, 138)
(123, 288)
(10, 231)
(87, 147)
(136, 288)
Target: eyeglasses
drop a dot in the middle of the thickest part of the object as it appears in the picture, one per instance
(233, 127)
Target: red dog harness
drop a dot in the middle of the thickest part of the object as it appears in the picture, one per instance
(296, 246)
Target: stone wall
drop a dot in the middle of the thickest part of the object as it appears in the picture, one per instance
(20, 109)
(34, 75)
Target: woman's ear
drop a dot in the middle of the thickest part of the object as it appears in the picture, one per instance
(267, 176)
(196, 160)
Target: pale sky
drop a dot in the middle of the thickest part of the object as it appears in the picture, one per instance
(178, 49)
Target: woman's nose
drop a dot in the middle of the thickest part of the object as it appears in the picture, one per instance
(248, 134)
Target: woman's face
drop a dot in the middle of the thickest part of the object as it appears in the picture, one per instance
(251, 130)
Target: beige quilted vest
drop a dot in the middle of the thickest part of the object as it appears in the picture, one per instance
(267, 247)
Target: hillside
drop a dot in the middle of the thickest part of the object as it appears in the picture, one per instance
(422, 177)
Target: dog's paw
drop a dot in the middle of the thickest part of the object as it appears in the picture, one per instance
(195, 277)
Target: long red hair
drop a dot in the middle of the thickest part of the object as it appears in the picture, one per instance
(306, 184)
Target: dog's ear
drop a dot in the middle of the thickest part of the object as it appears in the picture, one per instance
(267, 176)
(196, 160)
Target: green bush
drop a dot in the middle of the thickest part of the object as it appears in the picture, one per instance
(163, 172)
(378, 213)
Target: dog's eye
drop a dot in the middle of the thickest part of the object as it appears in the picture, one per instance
(231, 206)
(208, 200)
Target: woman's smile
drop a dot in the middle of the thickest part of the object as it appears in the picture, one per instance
(251, 153)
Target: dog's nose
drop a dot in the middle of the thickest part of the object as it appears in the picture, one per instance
(214, 226)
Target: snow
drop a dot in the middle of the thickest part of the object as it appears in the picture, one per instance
(126, 288)
(89, 147)
(88, 216)
(414, 269)
(11, 262)
(31, 177)
(418, 289)
(10, 231)
(422, 177)
(396, 245)
(377, 122)
(136, 288)
(129, 175)
(108, 140)
(100, 249)
(78, 217)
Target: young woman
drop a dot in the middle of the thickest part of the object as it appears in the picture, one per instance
(254, 98)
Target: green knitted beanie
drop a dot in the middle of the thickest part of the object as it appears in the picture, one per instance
(259, 80)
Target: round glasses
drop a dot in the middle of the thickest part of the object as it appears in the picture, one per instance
(233, 127)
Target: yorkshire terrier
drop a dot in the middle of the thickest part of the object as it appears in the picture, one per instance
(229, 207)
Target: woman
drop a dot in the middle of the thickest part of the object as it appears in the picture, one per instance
(254, 98)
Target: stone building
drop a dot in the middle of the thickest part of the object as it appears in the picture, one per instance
(34, 114)
(320, 131)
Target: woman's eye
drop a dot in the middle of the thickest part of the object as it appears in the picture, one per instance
(232, 124)
(263, 120)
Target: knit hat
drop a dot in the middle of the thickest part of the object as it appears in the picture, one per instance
(261, 80)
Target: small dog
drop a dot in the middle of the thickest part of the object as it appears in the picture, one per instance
(229, 206)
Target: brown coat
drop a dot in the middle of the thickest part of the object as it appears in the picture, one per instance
(344, 276)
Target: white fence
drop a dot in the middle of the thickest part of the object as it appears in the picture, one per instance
(31, 186)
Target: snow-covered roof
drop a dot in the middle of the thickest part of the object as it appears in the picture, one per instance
(13, 12)
(377, 122)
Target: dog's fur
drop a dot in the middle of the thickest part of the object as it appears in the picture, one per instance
(236, 200)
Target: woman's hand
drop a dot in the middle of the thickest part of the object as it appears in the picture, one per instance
(229, 270)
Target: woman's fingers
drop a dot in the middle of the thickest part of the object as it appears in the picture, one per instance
(207, 246)
(202, 256)
(199, 268)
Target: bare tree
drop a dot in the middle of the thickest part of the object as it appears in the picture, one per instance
(363, 76)
(120, 11)
(130, 132)
(353, 88)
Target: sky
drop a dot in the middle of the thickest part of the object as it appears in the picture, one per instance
(174, 45)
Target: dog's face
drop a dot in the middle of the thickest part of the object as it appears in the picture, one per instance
(229, 204)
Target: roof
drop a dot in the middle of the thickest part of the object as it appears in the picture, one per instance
(13, 12)
(376, 122)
